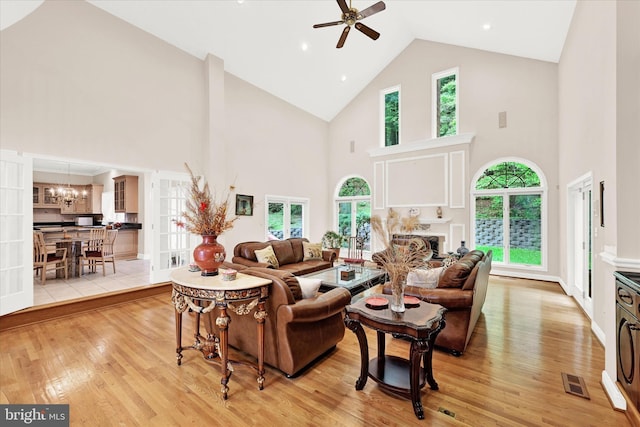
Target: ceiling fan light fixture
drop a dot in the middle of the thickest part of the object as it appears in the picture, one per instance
(351, 18)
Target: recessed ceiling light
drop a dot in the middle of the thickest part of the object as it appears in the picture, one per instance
(240, 1)
(304, 46)
(343, 78)
(486, 26)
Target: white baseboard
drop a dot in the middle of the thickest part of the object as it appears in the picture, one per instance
(616, 398)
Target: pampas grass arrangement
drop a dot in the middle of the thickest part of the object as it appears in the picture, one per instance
(399, 260)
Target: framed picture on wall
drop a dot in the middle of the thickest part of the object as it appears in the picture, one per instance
(244, 205)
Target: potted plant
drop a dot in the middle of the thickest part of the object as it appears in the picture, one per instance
(333, 241)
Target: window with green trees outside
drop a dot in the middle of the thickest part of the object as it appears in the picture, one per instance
(354, 209)
(508, 214)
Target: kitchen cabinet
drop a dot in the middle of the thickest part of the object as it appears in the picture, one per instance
(48, 201)
(94, 198)
(42, 196)
(125, 194)
(126, 244)
(89, 199)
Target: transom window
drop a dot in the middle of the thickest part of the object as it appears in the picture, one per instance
(444, 87)
(390, 116)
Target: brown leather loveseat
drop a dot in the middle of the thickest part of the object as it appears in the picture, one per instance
(297, 331)
(290, 255)
(461, 288)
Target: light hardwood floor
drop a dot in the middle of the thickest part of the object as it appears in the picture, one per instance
(116, 366)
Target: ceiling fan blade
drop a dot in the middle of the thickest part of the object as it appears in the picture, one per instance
(378, 7)
(343, 36)
(328, 24)
(368, 31)
(343, 6)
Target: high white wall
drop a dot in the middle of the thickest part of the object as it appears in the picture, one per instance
(489, 83)
(78, 83)
(599, 120)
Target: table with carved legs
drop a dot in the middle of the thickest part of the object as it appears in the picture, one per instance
(192, 291)
(420, 325)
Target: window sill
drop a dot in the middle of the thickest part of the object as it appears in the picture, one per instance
(445, 141)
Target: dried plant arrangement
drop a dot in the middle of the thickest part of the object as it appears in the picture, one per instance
(399, 260)
(205, 215)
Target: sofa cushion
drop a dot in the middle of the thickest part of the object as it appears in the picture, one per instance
(309, 286)
(424, 278)
(267, 256)
(284, 252)
(312, 251)
(455, 275)
(306, 267)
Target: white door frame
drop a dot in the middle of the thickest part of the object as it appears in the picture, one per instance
(579, 239)
(16, 231)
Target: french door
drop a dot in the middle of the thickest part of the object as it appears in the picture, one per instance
(172, 245)
(16, 232)
(580, 250)
(286, 217)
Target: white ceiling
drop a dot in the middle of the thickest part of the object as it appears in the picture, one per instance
(260, 41)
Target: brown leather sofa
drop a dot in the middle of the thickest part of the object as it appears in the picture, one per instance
(289, 253)
(296, 331)
(461, 288)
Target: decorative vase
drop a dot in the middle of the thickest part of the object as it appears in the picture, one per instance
(209, 255)
(462, 250)
(397, 296)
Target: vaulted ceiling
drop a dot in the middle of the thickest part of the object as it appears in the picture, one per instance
(272, 45)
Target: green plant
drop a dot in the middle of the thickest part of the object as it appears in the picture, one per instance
(333, 240)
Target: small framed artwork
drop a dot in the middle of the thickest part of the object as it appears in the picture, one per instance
(244, 205)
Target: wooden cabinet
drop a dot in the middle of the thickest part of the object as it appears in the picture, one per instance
(89, 199)
(125, 193)
(43, 196)
(94, 198)
(126, 244)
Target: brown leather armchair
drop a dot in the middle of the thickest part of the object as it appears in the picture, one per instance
(297, 331)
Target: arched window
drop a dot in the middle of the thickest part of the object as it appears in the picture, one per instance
(353, 209)
(509, 212)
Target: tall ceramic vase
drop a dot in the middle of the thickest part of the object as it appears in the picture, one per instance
(209, 255)
(397, 295)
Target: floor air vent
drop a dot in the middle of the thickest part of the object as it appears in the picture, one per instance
(574, 384)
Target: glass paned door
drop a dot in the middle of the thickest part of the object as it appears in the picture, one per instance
(16, 235)
(525, 233)
(345, 220)
(173, 245)
(490, 225)
(275, 220)
(296, 220)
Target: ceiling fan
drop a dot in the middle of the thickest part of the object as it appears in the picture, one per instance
(352, 17)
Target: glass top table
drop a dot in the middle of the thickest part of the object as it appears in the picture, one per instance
(355, 279)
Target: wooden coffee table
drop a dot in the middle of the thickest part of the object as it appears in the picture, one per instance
(363, 278)
(421, 325)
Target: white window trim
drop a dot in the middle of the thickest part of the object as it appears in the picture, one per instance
(434, 98)
(383, 93)
(543, 190)
(287, 200)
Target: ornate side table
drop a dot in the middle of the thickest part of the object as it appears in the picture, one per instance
(192, 291)
(421, 325)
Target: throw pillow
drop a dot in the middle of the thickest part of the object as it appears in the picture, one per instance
(309, 286)
(267, 256)
(425, 278)
(311, 251)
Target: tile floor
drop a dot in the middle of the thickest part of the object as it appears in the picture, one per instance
(129, 274)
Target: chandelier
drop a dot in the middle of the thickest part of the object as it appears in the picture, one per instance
(66, 195)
